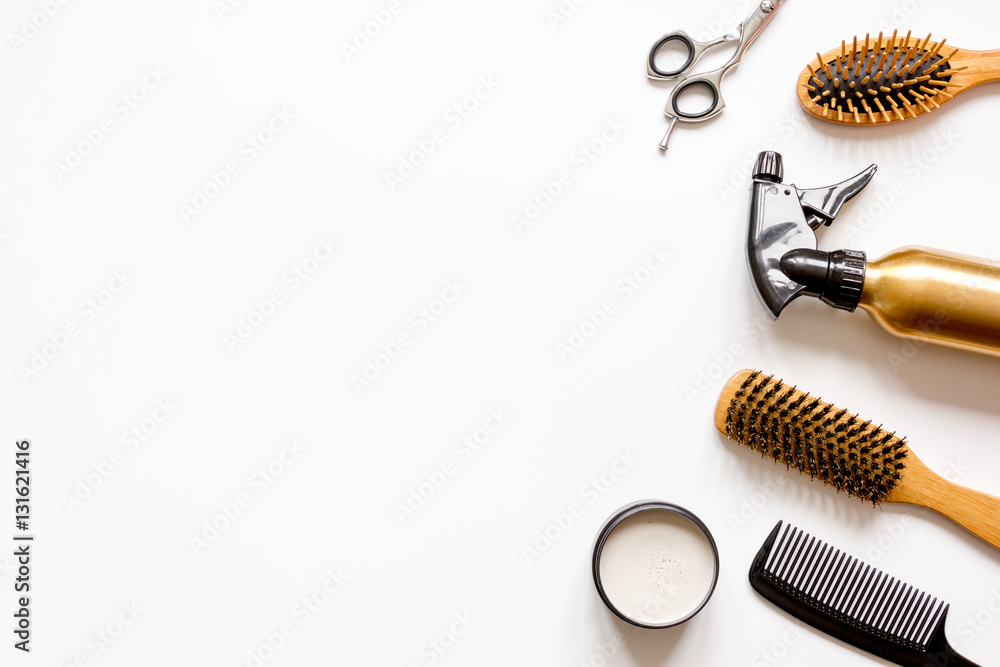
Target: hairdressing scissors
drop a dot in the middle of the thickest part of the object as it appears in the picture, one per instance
(744, 34)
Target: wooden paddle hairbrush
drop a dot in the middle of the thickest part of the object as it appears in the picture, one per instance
(845, 451)
(891, 79)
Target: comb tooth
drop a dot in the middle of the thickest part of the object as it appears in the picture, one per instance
(883, 604)
(822, 586)
(900, 611)
(853, 53)
(906, 42)
(809, 586)
(877, 599)
(864, 583)
(809, 552)
(853, 589)
(837, 576)
(848, 586)
(937, 610)
(794, 553)
(864, 606)
(782, 528)
(843, 55)
(902, 627)
(916, 618)
(780, 549)
(890, 603)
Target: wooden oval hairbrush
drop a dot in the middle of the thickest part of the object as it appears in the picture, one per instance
(890, 79)
(845, 451)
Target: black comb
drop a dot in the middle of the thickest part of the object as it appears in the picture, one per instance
(852, 601)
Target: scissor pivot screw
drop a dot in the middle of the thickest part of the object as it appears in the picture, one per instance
(767, 6)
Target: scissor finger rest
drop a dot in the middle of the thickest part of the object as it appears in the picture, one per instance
(710, 83)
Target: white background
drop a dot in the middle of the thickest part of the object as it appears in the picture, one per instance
(333, 508)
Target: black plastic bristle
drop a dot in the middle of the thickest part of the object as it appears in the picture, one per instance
(815, 438)
(852, 601)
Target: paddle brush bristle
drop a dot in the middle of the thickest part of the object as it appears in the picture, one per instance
(878, 81)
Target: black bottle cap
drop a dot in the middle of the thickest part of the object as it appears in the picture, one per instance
(846, 279)
(835, 278)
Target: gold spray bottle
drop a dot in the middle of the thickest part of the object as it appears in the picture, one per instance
(914, 292)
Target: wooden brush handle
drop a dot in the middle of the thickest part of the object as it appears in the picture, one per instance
(977, 512)
(984, 67)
